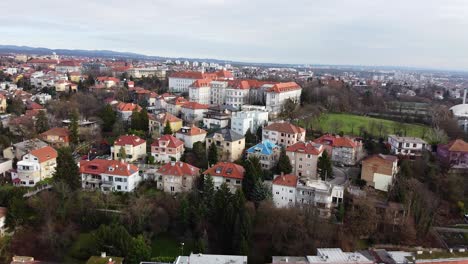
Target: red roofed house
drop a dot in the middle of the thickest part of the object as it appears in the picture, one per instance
(176, 177)
(3, 104)
(37, 165)
(108, 82)
(167, 148)
(57, 137)
(283, 134)
(157, 122)
(379, 171)
(109, 175)
(125, 110)
(181, 81)
(191, 135)
(226, 172)
(343, 150)
(193, 112)
(304, 157)
(455, 154)
(68, 66)
(134, 146)
(175, 106)
(277, 95)
(199, 91)
(284, 190)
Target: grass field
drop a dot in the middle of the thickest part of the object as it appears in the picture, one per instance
(167, 246)
(353, 125)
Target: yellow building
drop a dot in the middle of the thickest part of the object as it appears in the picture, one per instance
(157, 122)
(229, 143)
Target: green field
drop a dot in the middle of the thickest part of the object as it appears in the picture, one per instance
(166, 246)
(351, 124)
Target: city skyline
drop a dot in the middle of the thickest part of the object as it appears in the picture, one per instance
(334, 32)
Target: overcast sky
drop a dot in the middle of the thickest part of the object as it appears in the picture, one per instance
(426, 33)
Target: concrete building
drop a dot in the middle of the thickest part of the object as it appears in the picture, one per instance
(193, 112)
(267, 152)
(37, 165)
(454, 154)
(157, 122)
(57, 137)
(248, 119)
(134, 146)
(218, 92)
(191, 135)
(283, 134)
(277, 95)
(230, 144)
(125, 110)
(199, 91)
(210, 259)
(343, 150)
(167, 148)
(226, 172)
(337, 256)
(321, 194)
(284, 190)
(216, 118)
(408, 146)
(379, 171)
(304, 157)
(176, 177)
(109, 175)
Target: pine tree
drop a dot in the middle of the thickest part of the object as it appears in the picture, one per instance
(208, 191)
(250, 138)
(223, 217)
(144, 120)
(259, 133)
(73, 127)
(252, 185)
(199, 150)
(167, 129)
(242, 226)
(108, 117)
(284, 163)
(136, 120)
(42, 124)
(324, 166)
(212, 154)
(67, 171)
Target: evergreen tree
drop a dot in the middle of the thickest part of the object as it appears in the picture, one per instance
(199, 151)
(136, 121)
(167, 129)
(108, 117)
(208, 191)
(42, 124)
(259, 133)
(250, 138)
(144, 120)
(252, 185)
(284, 164)
(73, 127)
(67, 171)
(324, 166)
(122, 154)
(223, 218)
(242, 226)
(212, 154)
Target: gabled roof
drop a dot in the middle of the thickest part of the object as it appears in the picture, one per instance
(336, 141)
(178, 168)
(306, 147)
(226, 170)
(69, 63)
(227, 134)
(191, 131)
(57, 131)
(195, 106)
(458, 145)
(113, 167)
(129, 140)
(265, 147)
(173, 142)
(381, 158)
(178, 101)
(289, 180)
(188, 75)
(164, 117)
(247, 84)
(128, 107)
(285, 127)
(44, 154)
(284, 87)
(201, 83)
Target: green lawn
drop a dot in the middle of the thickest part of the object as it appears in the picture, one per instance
(166, 246)
(351, 124)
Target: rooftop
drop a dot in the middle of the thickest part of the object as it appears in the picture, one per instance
(227, 134)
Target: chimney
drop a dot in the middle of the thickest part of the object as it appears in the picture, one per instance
(103, 254)
(464, 96)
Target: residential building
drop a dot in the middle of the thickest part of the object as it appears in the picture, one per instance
(133, 146)
(191, 135)
(284, 190)
(229, 143)
(147, 71)
(157, 122)
(57, 137)
(3, 104)
(109, 175)
(181, 81)
(277, 95)
(321, 194)
(167, 148)
(211, 259)
(18, 150)
(192, 112)
(218, 92)
(267, 152)
(176, 177)
(343, 150)
(408, 146)
(68, 66)
(125, 110)
(304, 157)
(283, 134)
(379, 171)
(216, 118)
(454, 154)
(199, 91)
(37, 165)
(228, 173)
(337, 256)
(108, 82)
(248, 119)
(175, 106)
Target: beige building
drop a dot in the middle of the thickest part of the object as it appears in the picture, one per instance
(228, 173)
(379, 171)
(230, 144)
(304, 157)
(283, 134)
(36, 166)
(176, 177)
(134, 146)
(167, 148)
(3, 104)
(157, 122)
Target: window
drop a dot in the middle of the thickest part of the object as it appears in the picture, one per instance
(172, 188)
(238, 181)
(228, 180)
(118, 187)
(277, 192)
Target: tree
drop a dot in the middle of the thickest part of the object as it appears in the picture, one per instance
(16, 106)
(67, 171)
(167, 129)
(108, 117)
(284, 163)
(212, 154)
(242, 225)
(289, 109)
(259, 133)
(42, 124)
(325, 166)
(122, 154)
(250, 138)
(252, 185)
(73, 127)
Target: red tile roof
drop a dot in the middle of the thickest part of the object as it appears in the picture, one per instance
(336, 141)
(285, 127)
(284, 87)
(178, 168)
(57, 131)
(128, 107)
(458, 145)
(247, 84)
(195, 106)
(106, 78)
(112, 167)
(188, 75)
(226, 170)
(69, 63)
(44, 154)
(173, 142)
(129, 140)
(191, 131)
(41, 61)
(31, 105)
(306, 147)
(289, 180)
(201, 83)
(179, 101)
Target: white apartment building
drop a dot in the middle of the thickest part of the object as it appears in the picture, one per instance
(37, 165)
(249, 119)
(109, 175)
(191, 135)
(237, 97)
(199, 92)
(321, 194)
(410, 146)
(277, 95)
(304, 158)
(283, 134)
(218, 92)
(134, 146)
(284, 190)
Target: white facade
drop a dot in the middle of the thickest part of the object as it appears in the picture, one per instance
(411, 146)
(275, 101)
(237, 97)
(180, 85)
(190, 138)
(218, 92)
(283, 196)
(31, 171)
(200, 94)
(245, 120)
(192, 115)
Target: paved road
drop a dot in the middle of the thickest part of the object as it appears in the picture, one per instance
(340, 175)
(451, 229)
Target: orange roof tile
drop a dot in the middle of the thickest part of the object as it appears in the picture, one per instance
(226, 170)
(112, 167)
(306, 147)
(458, 145)
(129, 140)
(284, 87)
(57, 131)
(289, 180)
(178, 168)
(191, 131)
(173, 142)
(195, 106)
(336, 141)
(285, 127)
(44, 154)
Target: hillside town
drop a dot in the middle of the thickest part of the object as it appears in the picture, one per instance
(109, 160)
